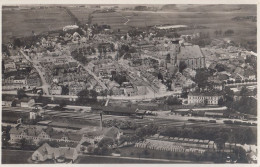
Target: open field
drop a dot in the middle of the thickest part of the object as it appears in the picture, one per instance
(18, 23)
(15, 156)
(40, 20)
(212, 21)
(86, 159)
(81, 13)
(112, 19)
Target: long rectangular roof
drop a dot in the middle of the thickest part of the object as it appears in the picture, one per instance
(190, 51)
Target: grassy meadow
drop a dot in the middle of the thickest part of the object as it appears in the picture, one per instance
(18, 23)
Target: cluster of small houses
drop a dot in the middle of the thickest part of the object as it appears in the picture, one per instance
(10, 101)
(27, 78)
(70, 144)
(104, 70)
(232, 60)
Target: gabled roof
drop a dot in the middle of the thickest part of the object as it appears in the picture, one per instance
(73, 64)
(68, 144)
(73, 136)
(17, 130)
(33, 131)
(45, 149)
(25, 99)
(111, 132)
(190, 51)
(65, 152)
(106, 132)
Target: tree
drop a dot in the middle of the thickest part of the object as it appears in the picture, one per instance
(140, 132)
(100, 50)
(229, 32)
(220, 143)
(182, 66)
(255, 91)
(221, 102)
(244, 91)
(160, 76)
(184, 94)
(220, 67)
(104, 92)
(173, 100)
(216, 32)
(110, 93)
(120, 79)
(246, 105)
(201, 78)
(168, 58)
(206, 101)
(23, 143)
(112, 47)
(17, 43)
(147, 130)
(65, 90)
(220, 32)
(106, 142)
(90, 149)
(21, 93)
(240, 154)
(14, 103)
(83, 96)
(62, 104)
(101, 151)
(104, 50)
(93, 94)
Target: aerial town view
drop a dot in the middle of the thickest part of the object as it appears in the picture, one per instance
(122, 84)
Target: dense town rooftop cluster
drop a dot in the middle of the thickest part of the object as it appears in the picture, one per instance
(95, 65)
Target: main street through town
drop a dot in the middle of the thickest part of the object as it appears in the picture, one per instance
(45, 86)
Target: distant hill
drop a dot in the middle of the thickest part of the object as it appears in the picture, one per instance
(169, 7)
(209, 8)
(245, 18)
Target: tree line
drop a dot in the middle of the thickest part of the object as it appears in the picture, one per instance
(232, 135)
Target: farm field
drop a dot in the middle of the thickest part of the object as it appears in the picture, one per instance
(113, 19)
(81, 13)
(245, 30)
(15, 156)
(28, 20)
(42, 20)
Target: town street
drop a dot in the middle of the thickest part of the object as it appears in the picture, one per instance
(91, 73)
(45, 85)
